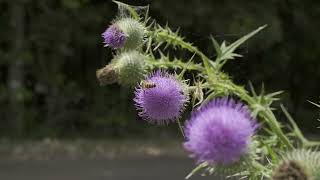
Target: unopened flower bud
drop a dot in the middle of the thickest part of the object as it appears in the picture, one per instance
(131, 68)
(134, 31)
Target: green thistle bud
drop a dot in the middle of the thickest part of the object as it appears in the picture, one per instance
(134, 31)
(298, 165)
(131, 68)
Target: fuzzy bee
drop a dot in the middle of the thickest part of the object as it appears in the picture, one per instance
(147, 85)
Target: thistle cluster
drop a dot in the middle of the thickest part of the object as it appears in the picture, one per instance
(125, 36)
(230, 131)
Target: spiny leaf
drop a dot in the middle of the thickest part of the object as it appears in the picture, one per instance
(240, 41)
(272, 95)
(225, 52)
(216, 46)
(314, 103)
(185, 68)
(165, 62)
(252, 89)
(198, 168)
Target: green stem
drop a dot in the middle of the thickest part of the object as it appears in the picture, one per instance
(257, 165)
(275, 126)
(267, 114)
(175, 64)
(173, 38)
(180, 127)
(212, 74)
(199, 167)
(205, 59)
(305, 142)
(261, 168)
(269, 117)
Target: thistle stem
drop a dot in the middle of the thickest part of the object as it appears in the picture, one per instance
(172, 37)
(205, 59)
(199, 167)
(268, 116)
(305, 142)
(180, 127)
(266, 113)
(175, 64)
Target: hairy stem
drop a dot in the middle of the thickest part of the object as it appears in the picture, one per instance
(267, 115)
(175, 64)
(180, 127)
(296, 130)
(167, 36)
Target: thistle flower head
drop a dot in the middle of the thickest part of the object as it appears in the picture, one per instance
(163, 101)
(298, 164)
(126, 33)
(220, 132)
(114, 37)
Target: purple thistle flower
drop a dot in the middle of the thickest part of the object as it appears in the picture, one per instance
(220, 132)
(164, 101)
(114, 37)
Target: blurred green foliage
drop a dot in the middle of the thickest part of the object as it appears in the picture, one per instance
(62, 48)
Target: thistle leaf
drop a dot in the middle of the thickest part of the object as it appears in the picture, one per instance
(198, 168)
(225, 53)
(240, 41)
(216, 46)
(314, 103)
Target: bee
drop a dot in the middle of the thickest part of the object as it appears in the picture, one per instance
(147, 85)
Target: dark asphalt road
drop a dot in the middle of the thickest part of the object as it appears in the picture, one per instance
(159, 168)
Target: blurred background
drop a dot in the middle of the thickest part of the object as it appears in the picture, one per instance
(50, 50)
